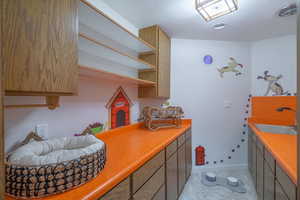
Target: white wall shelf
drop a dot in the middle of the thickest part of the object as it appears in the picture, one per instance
(96, 48)
(92, 17)
(98, 73)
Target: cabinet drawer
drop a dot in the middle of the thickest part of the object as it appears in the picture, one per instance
(269, 159)
(152, 186)
(188, 133)
(260, 146)
(287, 185)
(120, 192)
(161, 194)
(140, 176)
(279, 193)
(181, 140)
(171, 148)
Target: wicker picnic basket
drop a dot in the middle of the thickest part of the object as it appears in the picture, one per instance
(40, 181)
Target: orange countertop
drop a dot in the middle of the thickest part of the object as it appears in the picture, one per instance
(282, 147)
(128, 148)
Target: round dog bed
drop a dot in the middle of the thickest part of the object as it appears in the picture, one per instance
(42, 168)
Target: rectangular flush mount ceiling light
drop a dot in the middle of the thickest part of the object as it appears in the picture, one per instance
(212, 9)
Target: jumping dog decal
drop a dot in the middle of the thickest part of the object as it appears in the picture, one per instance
(273, 85)
(232, 67)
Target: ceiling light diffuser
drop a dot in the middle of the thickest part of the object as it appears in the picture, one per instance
(212, 9)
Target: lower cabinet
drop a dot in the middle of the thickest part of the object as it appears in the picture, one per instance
(163, 177)
(181, 168)
(172, 177)
(259, 175)
(280, 194)
(269, 183)
(152, 186)
(188, 156)
(119, 192)
(270, 180)
(161, 194)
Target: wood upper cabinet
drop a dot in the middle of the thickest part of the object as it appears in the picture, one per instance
(161, 59)
(39, 46)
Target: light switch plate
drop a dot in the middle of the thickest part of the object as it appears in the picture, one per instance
(42, 130)
(227, 104)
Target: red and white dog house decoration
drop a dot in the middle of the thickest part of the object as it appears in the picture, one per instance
(119, 109)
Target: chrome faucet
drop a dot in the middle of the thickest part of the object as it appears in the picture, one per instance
(281, 109)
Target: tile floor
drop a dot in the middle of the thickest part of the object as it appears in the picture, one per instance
(195, 190)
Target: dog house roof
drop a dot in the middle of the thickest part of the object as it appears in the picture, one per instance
(116, 94)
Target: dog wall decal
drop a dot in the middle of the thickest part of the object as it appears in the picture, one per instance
(231, 67)
(273, 85)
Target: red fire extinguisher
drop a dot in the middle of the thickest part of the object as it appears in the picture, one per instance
(200, 155)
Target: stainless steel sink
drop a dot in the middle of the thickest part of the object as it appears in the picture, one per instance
(276, 129)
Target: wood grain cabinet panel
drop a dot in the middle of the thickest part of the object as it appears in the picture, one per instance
(250, 165)
(161, 194)
(253, 162)
(171, 149)
(152, 186)
(287, 185)
(188, 157)
(119, 192)
(269, 183)
(181, 140)
(160, 58)
(260, 175)
(279, 193)
(164, 54)
(40, 46)
(140, 176)
(181, 168)
(269, 160)
(172, 177)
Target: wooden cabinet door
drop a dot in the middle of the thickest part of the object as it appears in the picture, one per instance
(181, 168)
(260, 175)
(254, 162)
(40, 46)
(269, 182)
(164, 53)
(172, 178)
(250, 165)
(279, 193)
(188, 154)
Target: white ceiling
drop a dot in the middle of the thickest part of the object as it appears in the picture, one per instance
(255, 19)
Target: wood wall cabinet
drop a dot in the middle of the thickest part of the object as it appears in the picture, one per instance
(160, 59)
(163, 177)
(39, 47)
(271, 181)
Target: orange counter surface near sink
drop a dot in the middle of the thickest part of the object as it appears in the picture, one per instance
(128, 148)
(282, 147)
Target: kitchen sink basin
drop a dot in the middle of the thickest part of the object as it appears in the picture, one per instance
(276, 129)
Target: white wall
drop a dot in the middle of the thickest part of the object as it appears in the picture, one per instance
(201, 92)
(278, 55)
(73, 116)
